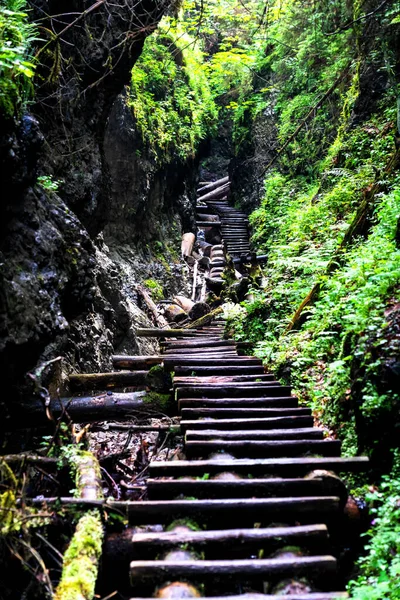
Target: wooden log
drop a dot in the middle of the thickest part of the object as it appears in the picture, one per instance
(234, 390)
(201, 370)
(205, 319)
(205, 224)
(196, 363)
(103, 381)
(131, 362)
(164, 489)
(209, 218)
(188, 240)
(184, 302)
(174, 313)
(319, 568)
(28, 458)
(248, 423)
(313, 537)
(81, 559)
(282, 467)
(160, 333)
(151, 306)
(208, 187)
(255, 596)
(234, 403)
(257, 434)
(108, 406)
(262, 448)
(198, 310)
(221, 413)
(215, 193)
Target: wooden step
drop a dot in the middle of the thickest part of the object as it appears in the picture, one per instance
(262, 448)
(218, 403)
(307, 509)
(202, 363)
(260, 434)
(243, 369)
(233, 390)
(283, 467)
(243, 488)
(312, 537)
(221, 413)
(255, 596)
(267, 423)
(155, 572)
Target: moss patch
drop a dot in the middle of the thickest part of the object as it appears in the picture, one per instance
(81, 559)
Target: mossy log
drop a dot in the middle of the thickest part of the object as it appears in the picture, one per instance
(160, 320)
(81, 560)
(205, 319)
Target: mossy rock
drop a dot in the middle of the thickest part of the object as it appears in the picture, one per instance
(159, 380)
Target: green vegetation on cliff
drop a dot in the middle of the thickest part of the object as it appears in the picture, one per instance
(16, 62)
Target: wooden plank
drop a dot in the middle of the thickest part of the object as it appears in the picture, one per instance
(236, 389)
(312, 537)
(262, 448)
(248, 423)
(288, 402)
(242, 488)
(222, 369)
(256, 434)
(255, 596)
(131, 361)
(216, 362)
(255, 569)
(221, 413)
(284, 467)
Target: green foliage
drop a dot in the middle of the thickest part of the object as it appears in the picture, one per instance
(16, 62)
(381, 566)
(155, 288)
(48, 183)
(170, 94)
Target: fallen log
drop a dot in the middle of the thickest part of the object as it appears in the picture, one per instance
(175, 313)
(187, 244)
(151, 306)
(216, 193)
(108, 406)
(213, 185)
(132, 362)
(184, 302)
(205, 319)
(198, 310)
(81, 559)
(102, 381)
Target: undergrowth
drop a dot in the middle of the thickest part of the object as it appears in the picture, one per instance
(16, 61)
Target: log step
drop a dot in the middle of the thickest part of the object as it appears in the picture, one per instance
(260, 434)
(255, 596)
(308, 509)
(201, 413)
(283, 467)
(224, 369)
(102, 381)
(155, 572)
(218, 403)
(216, 363)
(242, 488)
(263, 448)
(266, 423)
(233, 390)
(312, 537)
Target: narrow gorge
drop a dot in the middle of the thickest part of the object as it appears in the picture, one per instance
(199, 307)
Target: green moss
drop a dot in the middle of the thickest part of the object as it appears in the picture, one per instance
(162, 401)
(80, 564)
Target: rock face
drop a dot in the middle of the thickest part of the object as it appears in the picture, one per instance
(65, 288)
